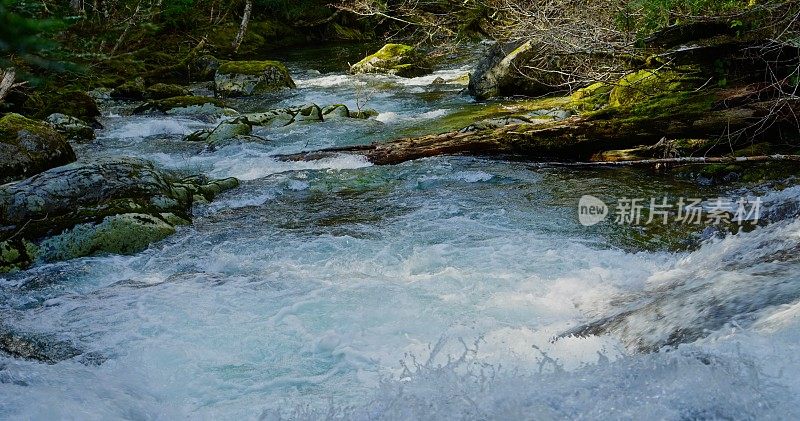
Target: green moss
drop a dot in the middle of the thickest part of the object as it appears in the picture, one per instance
(592, 97)
(397, 59)
(641, 86)
(472, 113)
(16, 255)
(391, 51)
(250, 67)
(72, 102)
(165, 90)
(12, 123)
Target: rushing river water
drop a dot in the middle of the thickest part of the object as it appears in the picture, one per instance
(432, 289)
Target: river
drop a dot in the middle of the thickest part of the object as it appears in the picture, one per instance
(433, 289)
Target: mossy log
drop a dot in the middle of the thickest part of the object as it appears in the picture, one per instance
(580, 137)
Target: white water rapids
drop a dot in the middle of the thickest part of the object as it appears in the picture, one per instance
(428, 290)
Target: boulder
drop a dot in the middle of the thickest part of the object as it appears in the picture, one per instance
(130, 90)
(335, 112)
(28, 147)
(224, 133)
(498, 72)
(204, 67)
(74, 103)
(310, 113)
(244, 78)
(166, 90)
(272, 118)
(127, 233)
(106, 206)
(528, 69)
(394, 59)
(73, 128)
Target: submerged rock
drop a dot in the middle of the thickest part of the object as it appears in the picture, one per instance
(394, 59)
(36, 347)
(244, 78)
(80, 209)
(28, 147)
(73, 128)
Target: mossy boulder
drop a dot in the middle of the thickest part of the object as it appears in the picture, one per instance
(643, 85)
(244, 78)
(271, 118)
(130, 90)
(106, 206)
(119, 234)
(335, 112)
(309, 113)
(394, 59)
(166, 90)
(204, 67)
(74, 103)
(28, 147)
(222, 134)
(73, 128)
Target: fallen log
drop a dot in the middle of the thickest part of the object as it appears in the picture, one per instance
(578, 138)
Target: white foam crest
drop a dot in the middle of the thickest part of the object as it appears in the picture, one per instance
(327, 81)
(391, 117)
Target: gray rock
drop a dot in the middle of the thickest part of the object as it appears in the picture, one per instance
(498, 72)
(36, 347)
(245, 78)
(187, 105)
(272, 118)
(309, 113)
(73, 128)
(223, 133)
(335, 112)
